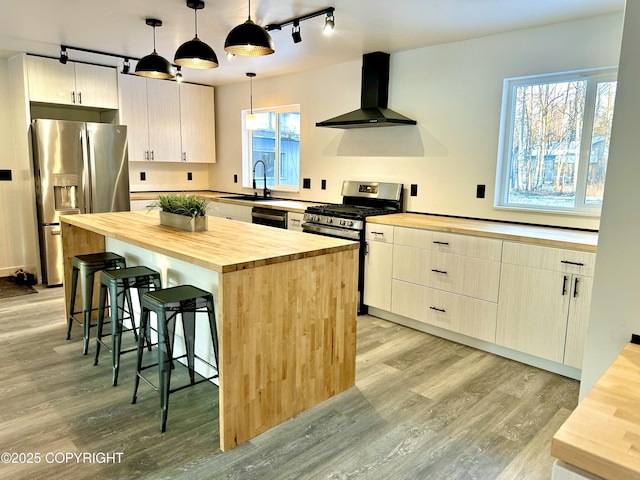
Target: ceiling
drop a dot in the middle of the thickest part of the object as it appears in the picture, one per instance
(118, 26)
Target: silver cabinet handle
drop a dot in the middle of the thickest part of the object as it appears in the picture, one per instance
(73, 97)
(146, 155)
(184, 156)
(80, 98)
(153, 158)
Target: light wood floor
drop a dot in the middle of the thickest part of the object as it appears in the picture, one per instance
(422, 408)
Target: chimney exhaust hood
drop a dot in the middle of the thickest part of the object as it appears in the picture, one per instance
(374, 96)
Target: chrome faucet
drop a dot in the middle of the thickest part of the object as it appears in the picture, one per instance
(266, 192)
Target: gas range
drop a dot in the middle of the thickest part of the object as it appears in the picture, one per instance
(360, 200)
(348, 219)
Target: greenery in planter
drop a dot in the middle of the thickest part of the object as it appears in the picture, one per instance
(182, 204)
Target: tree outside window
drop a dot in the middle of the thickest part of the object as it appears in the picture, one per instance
(556, 141)
(275, 139)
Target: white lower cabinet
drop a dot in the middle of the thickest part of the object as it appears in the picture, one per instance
(544, 311)
(230, 211)
(377, 266)
(458, 313)
(294, 221)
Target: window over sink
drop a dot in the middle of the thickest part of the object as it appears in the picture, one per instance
(275, 140)
(554, 141)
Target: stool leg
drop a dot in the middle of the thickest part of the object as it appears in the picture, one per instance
(117, 314)
(101, 306)
(144, 324)
(189, 328)
(165, 356)
(87, 297)
(214, 330)
(72, 299)
(132, 319)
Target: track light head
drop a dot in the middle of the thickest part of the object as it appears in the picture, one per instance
(295, 32)
(179, 74)
(64, 57)
(329, 23)
(125, 66)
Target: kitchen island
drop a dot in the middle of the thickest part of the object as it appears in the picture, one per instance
(285, 306)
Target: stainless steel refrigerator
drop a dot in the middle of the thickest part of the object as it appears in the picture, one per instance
(80, 167)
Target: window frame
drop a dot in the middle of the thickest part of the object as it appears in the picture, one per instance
(507, 121)
(247, 149)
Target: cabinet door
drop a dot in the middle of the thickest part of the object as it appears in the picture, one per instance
(133, 114)
(96, 86)
(294, 221)
(532, 311)
(163, 105)
(197, 123)
(377, 275)
(578, 319)
(50, 81)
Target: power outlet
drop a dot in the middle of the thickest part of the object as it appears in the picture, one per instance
(323, 184)
(5, 175)
(143, 176)
(235, 178)
(189, 176)
(306, 183)
(480, 191)
(414, 189)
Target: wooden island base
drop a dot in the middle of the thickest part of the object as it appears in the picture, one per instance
(286, 307)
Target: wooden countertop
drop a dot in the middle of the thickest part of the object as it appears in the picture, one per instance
(547, 236)
(602, 435)
(228, 245)
(293, 205)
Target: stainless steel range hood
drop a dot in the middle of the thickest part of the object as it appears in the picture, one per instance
(373, 111)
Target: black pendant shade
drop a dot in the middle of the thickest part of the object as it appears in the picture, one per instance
(195, 53)
(249, 40)
(153, 65)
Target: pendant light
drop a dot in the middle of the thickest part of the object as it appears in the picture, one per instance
(153, 65)
(195, 53)
(251, 119)
(249, 39)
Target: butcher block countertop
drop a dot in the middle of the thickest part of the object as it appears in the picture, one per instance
(545, 236)
(228, 245)
(602, 435)
(297, 206)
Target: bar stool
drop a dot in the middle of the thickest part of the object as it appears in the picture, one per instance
(119, 283)
(185, 300)
(86, 266)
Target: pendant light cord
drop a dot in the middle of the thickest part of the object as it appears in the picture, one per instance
(251, 94)
(195, 12)
(154, 39)
(249, 9)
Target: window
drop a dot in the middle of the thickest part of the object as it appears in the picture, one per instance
(275, 140)
(555, 141)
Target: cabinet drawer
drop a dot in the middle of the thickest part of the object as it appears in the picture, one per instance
(467, 245)
(379, 233)
(549, 258)
(475, 318)
(469, 276)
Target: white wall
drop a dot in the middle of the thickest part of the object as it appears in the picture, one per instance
(454, 91)
(615, 307)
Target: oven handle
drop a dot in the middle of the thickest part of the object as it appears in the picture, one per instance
(277, 218)
(332, 232)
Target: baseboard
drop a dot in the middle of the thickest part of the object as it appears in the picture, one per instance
(538, 362)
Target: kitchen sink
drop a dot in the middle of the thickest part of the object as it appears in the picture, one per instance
(249, 198)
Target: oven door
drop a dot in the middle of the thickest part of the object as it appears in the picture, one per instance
(332, 231)
(269, 216)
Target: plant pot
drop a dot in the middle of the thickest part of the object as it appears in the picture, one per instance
(190, 224)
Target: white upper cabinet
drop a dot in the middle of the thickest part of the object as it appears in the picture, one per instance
(72, 84)
(167, 121)
(197, 123)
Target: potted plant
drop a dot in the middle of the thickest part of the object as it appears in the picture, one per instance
(187, 212)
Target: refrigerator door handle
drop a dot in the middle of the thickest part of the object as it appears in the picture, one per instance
(86, 177)
(91, 160)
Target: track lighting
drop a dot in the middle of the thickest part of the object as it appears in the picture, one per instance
(153, 65)
(249, 39)
(329, 23)
(195, 53)
(179, 74)
(63, 55)
(125, 66)
(295, 32)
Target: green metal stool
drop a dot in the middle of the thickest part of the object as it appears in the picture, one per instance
(118, 284)
(86, 266)
(185, 300)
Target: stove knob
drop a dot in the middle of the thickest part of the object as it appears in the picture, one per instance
(329, 220)
(350, 223)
